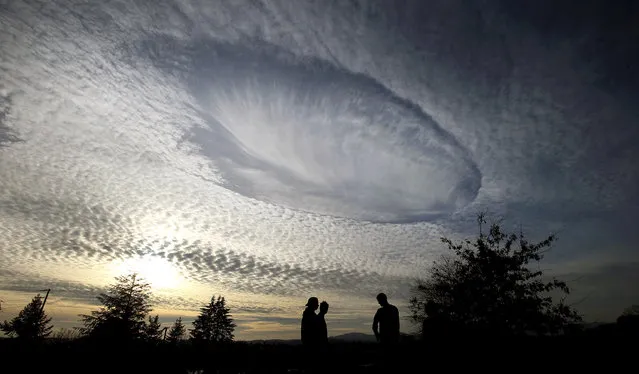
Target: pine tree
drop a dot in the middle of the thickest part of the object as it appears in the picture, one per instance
(214, 324)
(124, 309)
(177, 331)
(153, 329)
(31, 323)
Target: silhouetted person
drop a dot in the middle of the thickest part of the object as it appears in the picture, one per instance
(322, 329)
(314, 332)
(386, 321)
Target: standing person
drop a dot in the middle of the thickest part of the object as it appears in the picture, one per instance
(386, 322)
(310, 323)
(314, 334)
(314, 331)
(322, 330)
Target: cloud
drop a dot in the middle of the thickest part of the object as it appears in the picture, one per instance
(7, 134)
(305, 134)
(74, 233)
(65, 229)
(251, 274)
(19, 281)
(179, 130)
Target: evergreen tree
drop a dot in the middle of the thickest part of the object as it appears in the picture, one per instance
(31, 323)
(124, 309)
(153, 329)
(177, 331)
(214, 324)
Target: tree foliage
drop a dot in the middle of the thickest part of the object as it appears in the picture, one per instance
(177, 332)
(214, 323)
(488, 285)
(153, 329)
(31, 323)
(629, 319)
(632, 310)
(65, 334)
(125, 307)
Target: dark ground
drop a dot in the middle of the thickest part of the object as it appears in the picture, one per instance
(611, 354)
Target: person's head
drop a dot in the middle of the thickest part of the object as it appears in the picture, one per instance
(323, 307)
(382, 299)
(312, 303)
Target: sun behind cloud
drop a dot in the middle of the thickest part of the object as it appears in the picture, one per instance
(160, 273)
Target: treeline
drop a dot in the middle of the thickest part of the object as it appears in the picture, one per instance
(483, 286)
(125, 315)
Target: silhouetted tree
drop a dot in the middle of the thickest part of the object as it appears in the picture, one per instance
(628, 321)
(487, 285)
(31, 323)
(631, 311)
(153, 329)
(214, 324)
(177, 331)
(123, 312)
(65, 334)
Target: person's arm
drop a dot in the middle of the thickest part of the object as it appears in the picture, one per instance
(376, 325)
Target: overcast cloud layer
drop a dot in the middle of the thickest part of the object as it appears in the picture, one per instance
(271, 150)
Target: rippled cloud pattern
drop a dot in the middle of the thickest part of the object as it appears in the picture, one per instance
(270, 151)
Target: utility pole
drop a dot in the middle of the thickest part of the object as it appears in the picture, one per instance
(45, 298)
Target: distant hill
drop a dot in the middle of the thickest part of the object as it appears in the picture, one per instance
(348, 337)
(275, 341)
(351, 337)
(354, 337)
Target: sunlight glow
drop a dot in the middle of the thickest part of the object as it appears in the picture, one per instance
(160, 273)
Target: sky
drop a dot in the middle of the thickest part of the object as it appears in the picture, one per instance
(270, 151)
